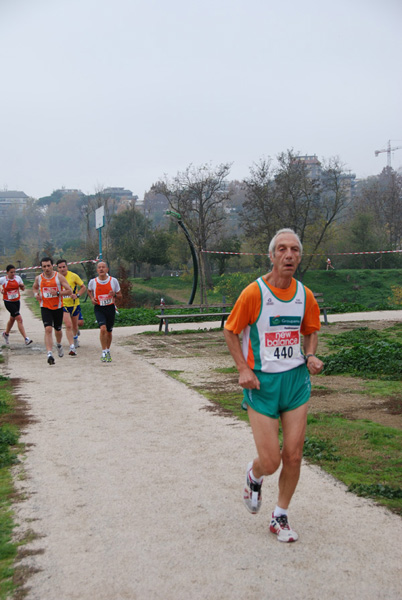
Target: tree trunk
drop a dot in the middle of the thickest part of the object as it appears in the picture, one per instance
(203, 291)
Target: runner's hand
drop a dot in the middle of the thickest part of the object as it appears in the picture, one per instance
(248, 379)
(315, 365)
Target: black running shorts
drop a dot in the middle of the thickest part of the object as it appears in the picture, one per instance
(105, 315)
(52, 318)
(13, 307)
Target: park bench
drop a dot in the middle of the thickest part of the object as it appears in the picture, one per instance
(203, 310)
(319, 296)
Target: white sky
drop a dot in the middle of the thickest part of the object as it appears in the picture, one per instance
(118, 92)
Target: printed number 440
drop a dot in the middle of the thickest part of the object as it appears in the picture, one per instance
(286, 352)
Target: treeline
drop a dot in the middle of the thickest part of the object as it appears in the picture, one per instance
(331, 211)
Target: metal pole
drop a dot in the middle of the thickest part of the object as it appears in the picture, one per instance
(193, 253)
(195, 262)
(100, 243)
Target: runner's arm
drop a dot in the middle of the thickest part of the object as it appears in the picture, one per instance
(310, 343)
(35, 288)
(247, 377)
(66, 291)
(115, 292)
(118, 295)
(91, 296)
(81, 291)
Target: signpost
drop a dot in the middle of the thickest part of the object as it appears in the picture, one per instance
(99, 223)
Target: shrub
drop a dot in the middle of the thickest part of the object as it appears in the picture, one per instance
(396, 297)
(381, 359)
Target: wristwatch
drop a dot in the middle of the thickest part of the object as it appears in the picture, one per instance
(307, 357)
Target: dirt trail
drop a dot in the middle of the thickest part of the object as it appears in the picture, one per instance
(134, 492)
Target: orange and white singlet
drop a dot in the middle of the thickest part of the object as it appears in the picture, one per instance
(11, 288)
(101, 291)
(50, 292)
(272, 321)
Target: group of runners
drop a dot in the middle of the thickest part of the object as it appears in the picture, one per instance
(278, 318)
(58, 293)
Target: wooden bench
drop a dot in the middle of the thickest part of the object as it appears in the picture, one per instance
(319, 296)
(166, 317)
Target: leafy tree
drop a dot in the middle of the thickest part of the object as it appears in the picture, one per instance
(226, 243)
(49, 248)
(154, 249)
(128, 231)
(125, 288)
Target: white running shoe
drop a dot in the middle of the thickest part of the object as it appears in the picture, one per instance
(76, 341)
(50, 359)
(280, 526)
(27, 341)
(252, 493)
(6, 338)
(60, 350)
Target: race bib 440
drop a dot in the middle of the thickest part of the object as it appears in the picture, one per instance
(282, 344)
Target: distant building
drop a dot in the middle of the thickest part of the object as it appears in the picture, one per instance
(313, 165)
(125, 198)
(314, 170)
(119, 192)
(12, 199)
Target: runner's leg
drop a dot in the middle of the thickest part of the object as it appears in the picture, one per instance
(49, 338)
(265, 431)
(74, 319)
(69, 328)
(103, 335)
(9, 325)
(294, 428)
(21, 327)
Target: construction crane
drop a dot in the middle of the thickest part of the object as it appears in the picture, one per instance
(388, 150)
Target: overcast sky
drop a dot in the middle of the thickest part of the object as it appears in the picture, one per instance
(119, 92)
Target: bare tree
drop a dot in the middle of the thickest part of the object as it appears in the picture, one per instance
(259, 215)
(386, 196)
(293, 195)
(199, 194)
(334, 196)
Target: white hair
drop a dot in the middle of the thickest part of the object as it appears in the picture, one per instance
(272, 244)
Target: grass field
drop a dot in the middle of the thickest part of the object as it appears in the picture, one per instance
(8, 441)
(345, 291)
(365, 454)
(369, 288)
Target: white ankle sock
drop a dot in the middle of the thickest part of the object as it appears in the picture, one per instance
(280, 511)
(254, 478)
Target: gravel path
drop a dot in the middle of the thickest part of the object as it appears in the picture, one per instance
(134, 492)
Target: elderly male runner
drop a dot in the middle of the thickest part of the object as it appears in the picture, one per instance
(12, 284)
(273, 313)
(103, 291)
(71, 304)
(49, 288)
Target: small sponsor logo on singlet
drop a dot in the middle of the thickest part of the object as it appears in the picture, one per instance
(298, 301)
(269, 302)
